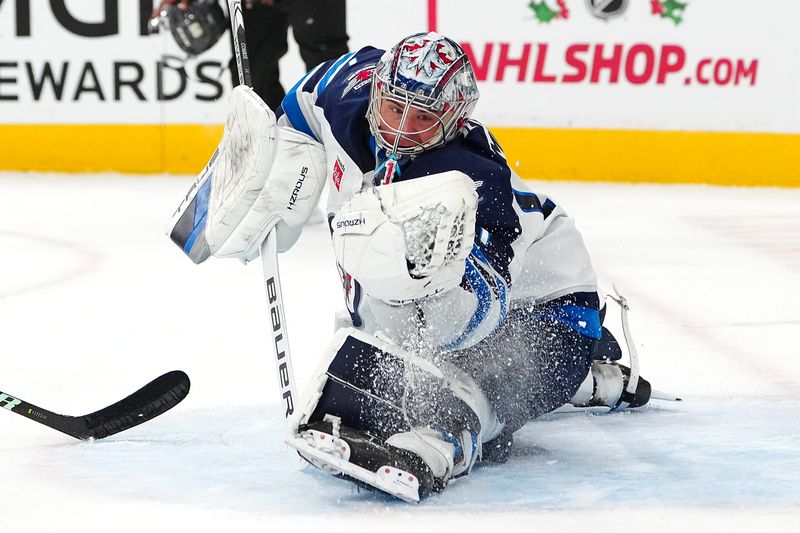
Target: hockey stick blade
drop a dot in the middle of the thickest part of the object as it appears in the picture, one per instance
(152, 400)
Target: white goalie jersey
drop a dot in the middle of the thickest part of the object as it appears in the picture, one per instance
(524, 250)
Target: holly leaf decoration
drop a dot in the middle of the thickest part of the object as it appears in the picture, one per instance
(542, 11)
(673, 10)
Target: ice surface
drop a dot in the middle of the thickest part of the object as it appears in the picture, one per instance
(95, 301)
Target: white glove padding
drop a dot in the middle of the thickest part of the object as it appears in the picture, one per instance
(268, 175)
(408, 240)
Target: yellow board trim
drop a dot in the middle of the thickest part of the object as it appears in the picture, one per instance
(717, 158)
(634, 156)
(128, 149)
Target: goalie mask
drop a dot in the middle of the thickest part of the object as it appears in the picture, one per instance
(423, 91)
(195, 30)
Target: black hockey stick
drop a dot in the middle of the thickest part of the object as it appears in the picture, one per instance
(239, 42)
(155, 398)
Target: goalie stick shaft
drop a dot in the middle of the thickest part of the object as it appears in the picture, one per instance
(239, 42)
(152, 400)
(280, 336)
(269, 250)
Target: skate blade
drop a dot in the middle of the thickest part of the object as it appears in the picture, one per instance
(388, 479)
(664, 396)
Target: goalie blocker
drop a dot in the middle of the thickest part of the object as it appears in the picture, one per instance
(261, 176)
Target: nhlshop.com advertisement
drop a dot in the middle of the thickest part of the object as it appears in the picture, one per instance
(691, 65)
(637, 90)
(578, 80)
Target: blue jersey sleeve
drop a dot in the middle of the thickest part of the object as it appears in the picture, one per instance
(333, 98)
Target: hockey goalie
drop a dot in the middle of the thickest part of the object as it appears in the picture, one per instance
(472, 304)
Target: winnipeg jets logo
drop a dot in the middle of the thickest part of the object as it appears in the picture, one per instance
(359, 79)
(427, 59)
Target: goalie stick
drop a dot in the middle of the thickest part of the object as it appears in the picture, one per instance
(152, 400)
(269, 250)
(188, 223)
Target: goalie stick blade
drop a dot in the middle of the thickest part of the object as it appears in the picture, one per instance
(152, 400)
(384, 480)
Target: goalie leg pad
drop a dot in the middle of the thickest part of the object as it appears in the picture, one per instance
(402, 400)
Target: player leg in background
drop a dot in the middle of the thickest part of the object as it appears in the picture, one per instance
(320, 29)
(545, 356)
(267, 29)
(534, 363)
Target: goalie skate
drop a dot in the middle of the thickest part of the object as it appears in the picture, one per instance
(354, 456)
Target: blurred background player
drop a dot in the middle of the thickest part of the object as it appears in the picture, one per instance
(474, 301)
(318, 26)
